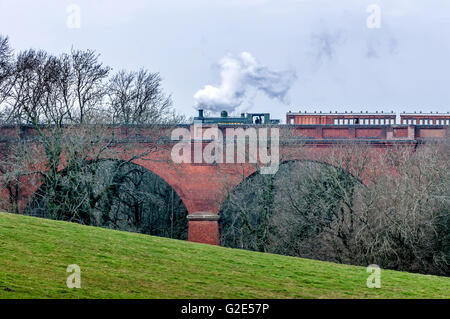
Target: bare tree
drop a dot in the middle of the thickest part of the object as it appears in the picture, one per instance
(406, 214)
(400, 218)
(73, 155)
(27, 88)
(5, 68)
(88, 76)
(5, 53)
(137, 98)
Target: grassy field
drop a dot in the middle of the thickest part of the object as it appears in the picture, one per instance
(34, 255)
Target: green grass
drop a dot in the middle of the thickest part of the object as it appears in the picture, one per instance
(34, 255)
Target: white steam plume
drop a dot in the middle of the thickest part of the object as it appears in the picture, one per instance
(239, 74)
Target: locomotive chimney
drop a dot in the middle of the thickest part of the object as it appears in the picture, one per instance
(200, 113)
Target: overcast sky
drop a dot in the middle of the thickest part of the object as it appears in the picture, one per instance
(333, 59)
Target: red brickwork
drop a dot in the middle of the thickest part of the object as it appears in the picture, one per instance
(203, 187)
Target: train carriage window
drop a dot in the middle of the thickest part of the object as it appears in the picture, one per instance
(351, 121)
(431, 121)
(341, 121)
(415, 121)
(291, 120)
(426, 122)
(421, 122)
(346, 121)
(377, 121)
(382, 121)
(448, 122)
(371, 121)
(336, 121)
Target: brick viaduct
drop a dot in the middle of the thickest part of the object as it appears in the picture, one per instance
(203, 187)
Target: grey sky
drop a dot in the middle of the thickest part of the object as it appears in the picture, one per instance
(340, 64)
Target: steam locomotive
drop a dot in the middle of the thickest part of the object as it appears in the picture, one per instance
(245, 118)
(319, 118)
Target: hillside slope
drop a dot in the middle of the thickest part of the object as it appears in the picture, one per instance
(34, 255)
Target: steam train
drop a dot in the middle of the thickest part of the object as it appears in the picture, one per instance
(319, 118)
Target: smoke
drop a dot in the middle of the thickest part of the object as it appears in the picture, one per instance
(379, 46)
(240, 75)
(325, 44)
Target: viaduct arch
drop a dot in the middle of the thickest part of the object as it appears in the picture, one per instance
(203, 187)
